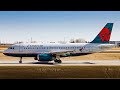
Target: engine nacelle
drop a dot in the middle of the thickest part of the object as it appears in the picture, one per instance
(45, 57)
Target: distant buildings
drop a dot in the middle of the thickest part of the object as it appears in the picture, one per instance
(117, 43)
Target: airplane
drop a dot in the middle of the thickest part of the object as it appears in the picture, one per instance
(53, 51)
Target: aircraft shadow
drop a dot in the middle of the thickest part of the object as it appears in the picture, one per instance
(50, 63)
(62, 63)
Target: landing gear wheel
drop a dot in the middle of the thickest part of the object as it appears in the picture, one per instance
(57, 61)
(20, 61)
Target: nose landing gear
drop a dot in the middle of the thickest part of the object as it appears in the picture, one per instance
(20, 60)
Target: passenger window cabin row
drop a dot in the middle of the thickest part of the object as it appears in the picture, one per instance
(31, 47)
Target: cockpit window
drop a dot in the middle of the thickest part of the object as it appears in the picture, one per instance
(11, 48)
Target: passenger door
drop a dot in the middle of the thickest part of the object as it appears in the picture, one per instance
(21, 48)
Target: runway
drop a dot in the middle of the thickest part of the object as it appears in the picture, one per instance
(64, 63)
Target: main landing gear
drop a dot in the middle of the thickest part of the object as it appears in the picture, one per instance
(57, 59)
(20, 60)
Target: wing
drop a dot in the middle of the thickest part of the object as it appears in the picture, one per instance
(60, 52)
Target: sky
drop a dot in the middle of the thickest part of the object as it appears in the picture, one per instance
(53, 26)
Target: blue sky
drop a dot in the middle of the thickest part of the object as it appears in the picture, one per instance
(56, 25)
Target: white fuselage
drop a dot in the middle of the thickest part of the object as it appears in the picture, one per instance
(37, 48)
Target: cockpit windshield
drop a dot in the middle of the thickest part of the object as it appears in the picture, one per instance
(11, 48)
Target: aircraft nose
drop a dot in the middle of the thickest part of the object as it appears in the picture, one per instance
(5, 52)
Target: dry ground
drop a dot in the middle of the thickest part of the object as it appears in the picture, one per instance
(57, 72)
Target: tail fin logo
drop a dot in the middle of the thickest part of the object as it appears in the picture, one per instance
(105, 34)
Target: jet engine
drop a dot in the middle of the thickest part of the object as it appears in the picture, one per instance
(45, 57)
